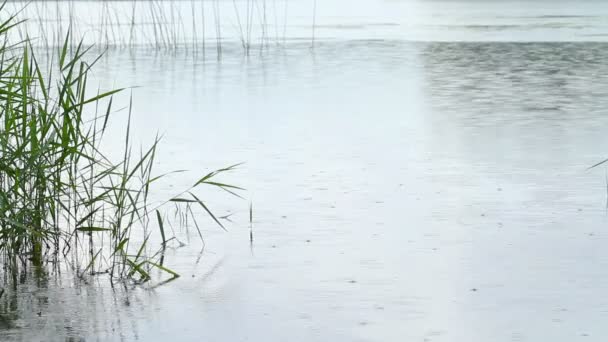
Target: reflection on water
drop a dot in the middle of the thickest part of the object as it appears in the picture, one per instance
(55, 306)
(519, 82)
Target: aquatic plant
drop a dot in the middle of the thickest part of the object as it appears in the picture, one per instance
(158, 24)
(60, 194)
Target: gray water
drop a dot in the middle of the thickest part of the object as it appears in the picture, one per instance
(431, 189)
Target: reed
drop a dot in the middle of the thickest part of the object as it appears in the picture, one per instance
(60, 193)
(159, 24)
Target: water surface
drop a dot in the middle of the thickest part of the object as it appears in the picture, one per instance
(427, 189)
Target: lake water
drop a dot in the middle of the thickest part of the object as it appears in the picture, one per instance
(419, 175)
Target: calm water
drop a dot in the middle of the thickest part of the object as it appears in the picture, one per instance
(424, 182)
